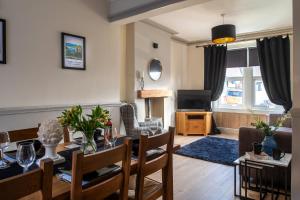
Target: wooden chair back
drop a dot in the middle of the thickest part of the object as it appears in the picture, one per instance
(31, 133)
(28, 183)
(66, 135)
(23, 134)
(163, 162)
(84, 164)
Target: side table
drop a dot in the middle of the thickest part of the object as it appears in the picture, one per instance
(247, 163)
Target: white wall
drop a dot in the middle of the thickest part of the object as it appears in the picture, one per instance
(174, 58)
(188, 66)
(183, 66)
(179, 64)
(144, 36)
(195, 68)
(33, 75)
(20, 118)
(296, 102)
(179, 75)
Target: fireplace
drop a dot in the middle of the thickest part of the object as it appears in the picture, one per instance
(154, 102)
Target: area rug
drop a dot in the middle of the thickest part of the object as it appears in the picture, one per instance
(213, 149)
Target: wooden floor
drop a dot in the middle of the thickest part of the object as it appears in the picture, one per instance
(196, 179)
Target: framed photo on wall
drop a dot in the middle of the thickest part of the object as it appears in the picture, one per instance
(2, 41)
(73, 51)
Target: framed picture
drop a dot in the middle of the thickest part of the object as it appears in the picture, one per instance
(73, 51)
(2, 41)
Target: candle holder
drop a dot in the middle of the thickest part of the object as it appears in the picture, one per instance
(140, 77)
(142, 83)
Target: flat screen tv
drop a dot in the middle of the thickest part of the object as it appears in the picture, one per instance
(194, 100)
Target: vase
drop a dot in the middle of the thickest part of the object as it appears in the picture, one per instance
(268, 145)
(50, 152)
(88, 145)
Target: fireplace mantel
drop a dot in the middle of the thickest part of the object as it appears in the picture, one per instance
(145, 94)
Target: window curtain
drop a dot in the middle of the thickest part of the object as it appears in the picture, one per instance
(274, 58)
(214, 70)
(214, 73)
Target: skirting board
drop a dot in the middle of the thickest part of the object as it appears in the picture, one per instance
(229, 130)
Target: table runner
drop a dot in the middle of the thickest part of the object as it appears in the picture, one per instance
(16, 169)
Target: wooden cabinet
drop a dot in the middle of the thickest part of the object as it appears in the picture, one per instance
(188, 123)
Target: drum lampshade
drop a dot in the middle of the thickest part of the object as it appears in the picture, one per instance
(224, 33)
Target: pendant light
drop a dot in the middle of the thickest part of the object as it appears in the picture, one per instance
(224, 33)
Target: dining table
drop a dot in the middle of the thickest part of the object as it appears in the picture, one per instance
(61, 189)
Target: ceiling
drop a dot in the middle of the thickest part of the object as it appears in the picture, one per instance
(194, 23)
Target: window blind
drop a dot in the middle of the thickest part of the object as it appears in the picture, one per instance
(236, 58)
(253, 57)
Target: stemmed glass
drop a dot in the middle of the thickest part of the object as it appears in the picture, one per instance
(115, 136)
(4, 143)
(25, 155)
(108, 138)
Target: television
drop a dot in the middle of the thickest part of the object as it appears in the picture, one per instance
(194, 100)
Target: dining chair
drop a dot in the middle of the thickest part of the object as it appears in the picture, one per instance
(31, 133)
(82, 165)
(146, 166)
(25, 184)
(66, 135)
(23, 134)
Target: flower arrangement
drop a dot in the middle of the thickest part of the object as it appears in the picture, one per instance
(75, 119)
(267, 129)
(269, 143)
(50, 132)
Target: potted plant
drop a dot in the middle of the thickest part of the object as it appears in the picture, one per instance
(76, 121)
(269, 143)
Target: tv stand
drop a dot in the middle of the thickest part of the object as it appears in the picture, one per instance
(193, 122)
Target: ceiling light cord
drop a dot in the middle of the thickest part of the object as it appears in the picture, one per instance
(223, 16)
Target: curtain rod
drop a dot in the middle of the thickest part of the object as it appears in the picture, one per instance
(245, 38)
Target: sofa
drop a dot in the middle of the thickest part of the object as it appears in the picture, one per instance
(283, 137)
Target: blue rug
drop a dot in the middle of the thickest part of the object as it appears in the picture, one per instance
(213, 149)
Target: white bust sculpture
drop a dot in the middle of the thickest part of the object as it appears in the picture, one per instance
(50, 133)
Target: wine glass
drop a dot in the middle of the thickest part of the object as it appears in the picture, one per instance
(108, 138)
(25, 155)
(115, 136)
(4, 143)
(153, 127)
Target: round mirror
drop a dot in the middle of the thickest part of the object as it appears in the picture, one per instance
(155, 69)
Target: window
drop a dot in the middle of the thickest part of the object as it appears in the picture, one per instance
(243, 87)
(260, 97)
(233, 91)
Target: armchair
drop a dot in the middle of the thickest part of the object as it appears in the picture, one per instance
(132, 126)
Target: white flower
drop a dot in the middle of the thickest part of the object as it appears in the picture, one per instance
(50, 132)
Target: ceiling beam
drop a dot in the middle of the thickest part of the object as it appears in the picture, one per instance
(125, 11)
